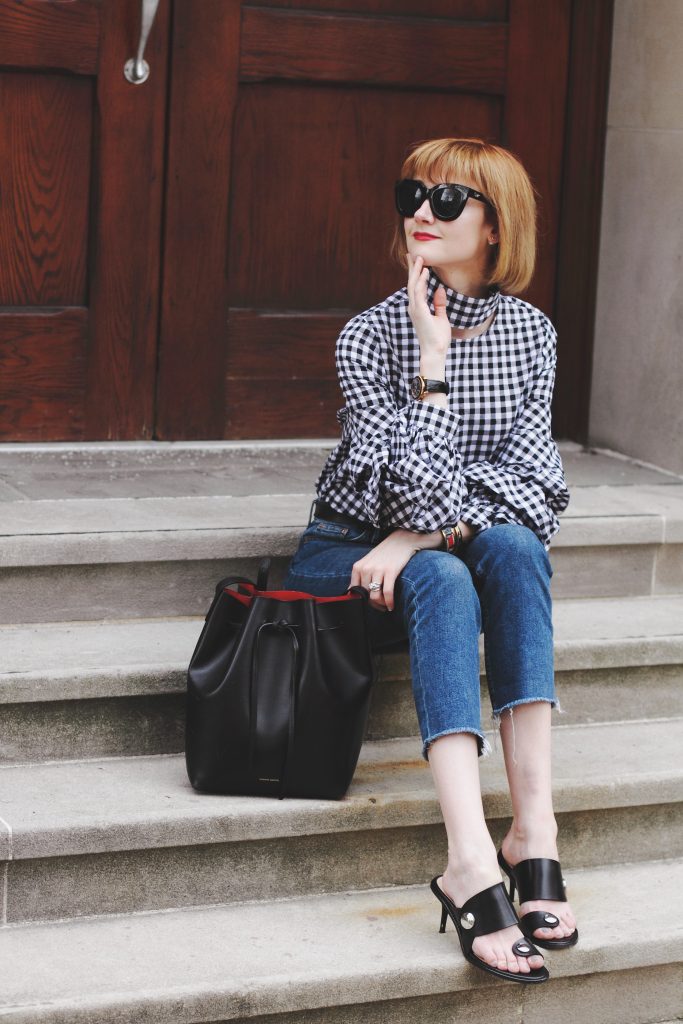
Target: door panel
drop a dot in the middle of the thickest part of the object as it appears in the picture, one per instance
(45, 145)
(464, 10)
(42, 381)
(403, 52)
(81, 174)
(44, 34)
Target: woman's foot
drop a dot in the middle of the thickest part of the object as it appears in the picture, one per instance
(515, 849)
(496, 947)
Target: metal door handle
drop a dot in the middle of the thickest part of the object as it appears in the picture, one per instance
(136, 69)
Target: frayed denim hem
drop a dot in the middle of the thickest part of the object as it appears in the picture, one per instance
(553, 701)
(483, 744)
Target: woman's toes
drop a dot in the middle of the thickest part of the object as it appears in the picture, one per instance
(499, 954)
(486, 951)
(567, 925)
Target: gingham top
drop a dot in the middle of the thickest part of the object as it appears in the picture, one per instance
(489, 457)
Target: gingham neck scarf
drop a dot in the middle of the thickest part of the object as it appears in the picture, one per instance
(463, 310)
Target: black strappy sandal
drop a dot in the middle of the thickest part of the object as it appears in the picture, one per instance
(487, 911)
(538, 879)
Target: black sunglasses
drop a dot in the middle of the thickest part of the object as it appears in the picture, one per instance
(446, 201)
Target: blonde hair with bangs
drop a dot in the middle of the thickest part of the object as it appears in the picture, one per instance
(500, 176)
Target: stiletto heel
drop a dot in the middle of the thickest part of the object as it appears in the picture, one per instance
(538, 879)
(487, 911)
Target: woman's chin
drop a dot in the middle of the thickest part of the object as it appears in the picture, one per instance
(421, 249)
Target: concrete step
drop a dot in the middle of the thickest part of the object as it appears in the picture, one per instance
(351, 957)
(129, 834)
(94, 689)
(117, 531)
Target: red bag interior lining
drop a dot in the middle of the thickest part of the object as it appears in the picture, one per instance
(286, 595)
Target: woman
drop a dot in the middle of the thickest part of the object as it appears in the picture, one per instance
(441, 499)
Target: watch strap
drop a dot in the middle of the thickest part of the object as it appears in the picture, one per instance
(435, 386)
(421, 386)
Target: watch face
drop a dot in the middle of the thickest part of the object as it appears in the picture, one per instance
(416, 387)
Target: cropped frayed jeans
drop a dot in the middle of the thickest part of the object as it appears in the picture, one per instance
(498, 584)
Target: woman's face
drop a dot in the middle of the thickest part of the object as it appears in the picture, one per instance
(450, 245)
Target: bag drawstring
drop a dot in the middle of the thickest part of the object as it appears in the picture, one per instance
(253, 698)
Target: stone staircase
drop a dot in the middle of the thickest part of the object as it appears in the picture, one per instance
(128, 897)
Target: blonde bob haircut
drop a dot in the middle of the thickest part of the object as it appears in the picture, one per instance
(499, 175)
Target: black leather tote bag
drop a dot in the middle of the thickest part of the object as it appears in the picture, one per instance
(278, 691)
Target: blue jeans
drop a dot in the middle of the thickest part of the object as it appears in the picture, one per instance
(498, 584)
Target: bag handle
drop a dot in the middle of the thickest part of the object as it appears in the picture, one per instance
(253, 698)
(263, 571)
(261, 580)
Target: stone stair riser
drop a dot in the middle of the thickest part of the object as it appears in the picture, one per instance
(617, 570)
(154, 723)
(121, 881)
(117, 590)
(75, 729)
(638, 996)
(51, 593)
(633, 995)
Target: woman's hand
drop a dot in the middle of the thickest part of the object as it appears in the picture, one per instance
(433, 331)
(383, 564)
(386, 560)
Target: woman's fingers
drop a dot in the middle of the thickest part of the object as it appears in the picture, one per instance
(421, 291)
(362, 576)
(388, 591)
(418, 280)
(383, 565)
(440, 302)
(377, 595)
(412, 265)
(416, 269)
(356, 576)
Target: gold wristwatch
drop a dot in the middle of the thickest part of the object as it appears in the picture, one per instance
(421, 386)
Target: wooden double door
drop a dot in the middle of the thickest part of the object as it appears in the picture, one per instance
(179, 255)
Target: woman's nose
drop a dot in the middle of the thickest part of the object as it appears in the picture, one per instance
(424, 213)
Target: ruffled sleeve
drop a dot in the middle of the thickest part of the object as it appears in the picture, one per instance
(523, 481)
(399, 462)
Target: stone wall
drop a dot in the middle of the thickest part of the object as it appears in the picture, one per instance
(637, 381)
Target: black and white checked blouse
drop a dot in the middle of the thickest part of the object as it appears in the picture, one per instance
(488, 458)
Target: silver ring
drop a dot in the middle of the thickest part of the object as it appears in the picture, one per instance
(375, 586)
